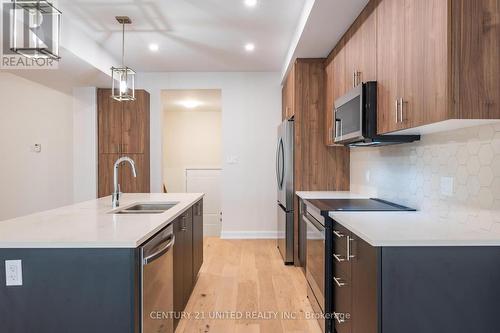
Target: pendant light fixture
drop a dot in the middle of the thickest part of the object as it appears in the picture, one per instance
(35, 29)
(123, 78)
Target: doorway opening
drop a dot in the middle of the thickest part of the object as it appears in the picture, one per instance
(192, 148)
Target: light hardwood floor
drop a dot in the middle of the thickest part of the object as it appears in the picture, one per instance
(239, 277)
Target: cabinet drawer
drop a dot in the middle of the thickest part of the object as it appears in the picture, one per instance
(340, 238)
(342, 269)
(341, 276)
(342, 308)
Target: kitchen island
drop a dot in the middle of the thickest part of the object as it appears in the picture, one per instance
(83, 266)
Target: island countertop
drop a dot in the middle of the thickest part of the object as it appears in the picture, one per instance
(92, 224)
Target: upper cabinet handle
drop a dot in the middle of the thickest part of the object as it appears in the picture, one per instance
(401, 102)
(397, 110)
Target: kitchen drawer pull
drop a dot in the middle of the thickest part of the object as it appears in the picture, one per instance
(338, 257)
(338, 282)
(338, 234)
(339, 317)
(349, 255)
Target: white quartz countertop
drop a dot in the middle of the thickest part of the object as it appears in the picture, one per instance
(406, 228)
(414, 229)
(90, 225)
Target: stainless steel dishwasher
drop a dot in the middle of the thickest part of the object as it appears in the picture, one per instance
(157, 283)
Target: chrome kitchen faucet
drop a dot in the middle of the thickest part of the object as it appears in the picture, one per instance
(116, 193)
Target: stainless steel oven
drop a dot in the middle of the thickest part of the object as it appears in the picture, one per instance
(157, 283)
(315, 263)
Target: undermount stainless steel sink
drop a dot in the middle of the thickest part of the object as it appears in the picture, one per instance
(147, 208)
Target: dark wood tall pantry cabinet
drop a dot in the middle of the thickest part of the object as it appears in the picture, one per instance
(123, 130)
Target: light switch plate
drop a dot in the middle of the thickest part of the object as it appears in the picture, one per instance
(36, 148)
(13, 273)
(232, 159)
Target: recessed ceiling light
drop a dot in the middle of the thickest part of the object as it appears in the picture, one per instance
(250, 3)
(190, 103)
(249, 47)
(153, 47)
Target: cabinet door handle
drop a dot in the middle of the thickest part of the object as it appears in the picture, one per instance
(401, 102)
(354, 79)
(183, 227)
(338, 234)
(349, 255)
(338, 257)
(397, 110)
(338, 282)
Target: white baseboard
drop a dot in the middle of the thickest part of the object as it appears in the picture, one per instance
(249, 234)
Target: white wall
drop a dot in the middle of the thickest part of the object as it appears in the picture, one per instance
(191, 139)
(31, 113)
(251, 112)
(412, 174)
(85, 144)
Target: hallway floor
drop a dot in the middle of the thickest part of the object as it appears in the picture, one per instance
(244, 286)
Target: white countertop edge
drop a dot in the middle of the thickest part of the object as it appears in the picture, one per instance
(130, 243)
(312, 195)
(415, 242)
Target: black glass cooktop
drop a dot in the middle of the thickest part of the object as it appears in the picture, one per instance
(357, 205)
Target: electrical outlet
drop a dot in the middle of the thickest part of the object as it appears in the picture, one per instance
(447, 186)
(13, 273)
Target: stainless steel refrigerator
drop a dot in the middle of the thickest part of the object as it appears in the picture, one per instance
(284, 178)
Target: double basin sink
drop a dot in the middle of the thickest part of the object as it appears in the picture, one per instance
(146, 208)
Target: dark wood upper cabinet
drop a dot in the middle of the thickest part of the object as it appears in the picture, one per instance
(123, 129)
(390, 63)
(351, 62)
(110, 122)
(340, 86)
(288, 95)
(135, 124)
(360, 48)
(329, 106)
(476, 34)
(434, 60)
(335, 86)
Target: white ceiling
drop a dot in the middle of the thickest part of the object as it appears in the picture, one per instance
(209, 100)
(193, 35)
(320, 31)
(71, 72)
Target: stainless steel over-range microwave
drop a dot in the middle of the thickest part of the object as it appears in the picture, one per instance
(355, 116)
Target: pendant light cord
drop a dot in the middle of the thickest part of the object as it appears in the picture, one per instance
(123, 44)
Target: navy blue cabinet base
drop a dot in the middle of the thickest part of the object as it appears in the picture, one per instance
(82, 290)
